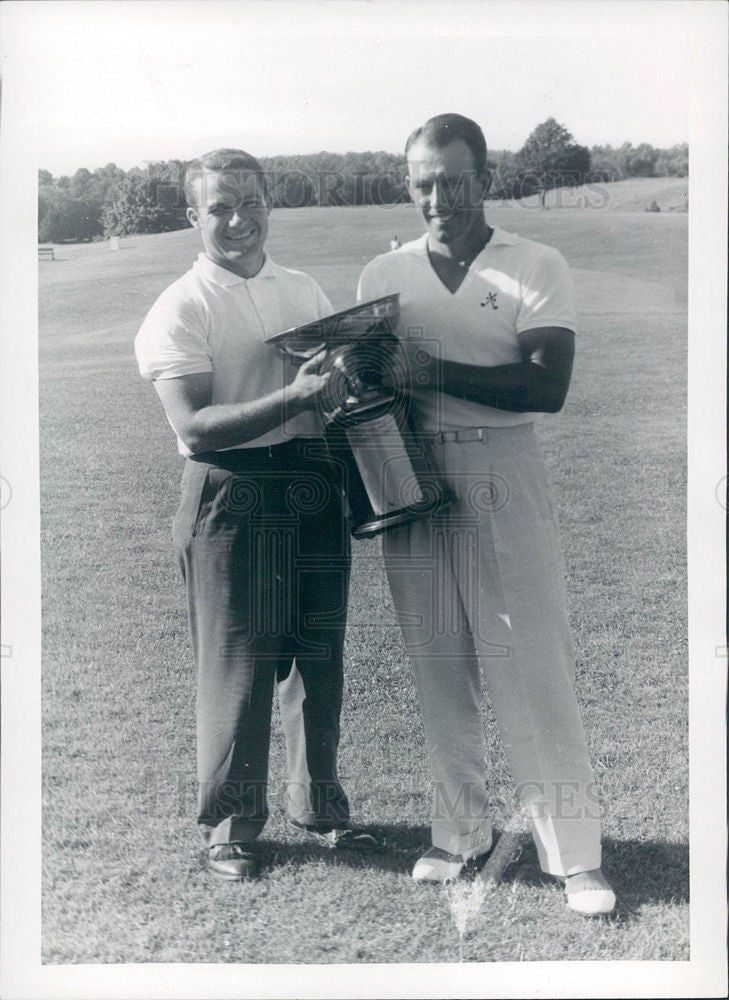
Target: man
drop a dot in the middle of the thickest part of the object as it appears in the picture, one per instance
(487, 323)
(260, 535)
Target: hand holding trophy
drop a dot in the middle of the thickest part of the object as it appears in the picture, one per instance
(388, 478)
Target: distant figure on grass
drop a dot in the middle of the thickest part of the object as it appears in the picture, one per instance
(260, 534)
(395, 243)
(479, 588)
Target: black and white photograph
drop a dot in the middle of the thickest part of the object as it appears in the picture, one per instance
(363, 494)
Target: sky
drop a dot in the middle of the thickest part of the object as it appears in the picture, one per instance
(131, 82)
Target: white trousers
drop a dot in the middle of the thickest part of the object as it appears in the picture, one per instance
(480, 589)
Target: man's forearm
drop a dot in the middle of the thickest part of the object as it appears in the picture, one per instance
(521, 387)
(225, 425)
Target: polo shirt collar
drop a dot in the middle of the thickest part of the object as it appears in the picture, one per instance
(222, 276)
(499, 237)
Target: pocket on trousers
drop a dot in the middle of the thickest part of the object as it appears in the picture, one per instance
(194, 480)
(227, 501)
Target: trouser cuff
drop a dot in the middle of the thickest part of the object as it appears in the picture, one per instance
(231, 830)
(468, 845)
(320, 803)
(574, 865)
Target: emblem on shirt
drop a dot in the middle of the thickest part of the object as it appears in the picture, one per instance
(491, 300)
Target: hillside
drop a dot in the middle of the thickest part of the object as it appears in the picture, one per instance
(632, 195)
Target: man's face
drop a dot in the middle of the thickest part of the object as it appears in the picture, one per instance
(232, 216)
(445, 187)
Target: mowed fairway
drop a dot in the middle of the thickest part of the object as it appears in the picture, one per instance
(123, 876)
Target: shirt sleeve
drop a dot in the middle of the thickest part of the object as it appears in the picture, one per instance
(323, 305)
(172, 341)
(548, 297)
(370, 285)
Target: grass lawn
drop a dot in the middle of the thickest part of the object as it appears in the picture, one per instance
(123, 878)
(633, 195)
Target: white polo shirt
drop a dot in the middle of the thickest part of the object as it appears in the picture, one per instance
(211, 320)
(513, 285)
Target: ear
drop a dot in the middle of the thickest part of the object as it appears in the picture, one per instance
(486, 179)
(192, 217)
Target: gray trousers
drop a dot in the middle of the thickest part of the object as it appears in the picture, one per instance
(479, 590)
(263, 547)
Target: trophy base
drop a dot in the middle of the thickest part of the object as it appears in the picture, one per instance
(375, 526)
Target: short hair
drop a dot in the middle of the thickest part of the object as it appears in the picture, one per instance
(218, 161)
(444, 129)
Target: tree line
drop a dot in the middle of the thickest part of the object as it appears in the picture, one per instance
(112, 202)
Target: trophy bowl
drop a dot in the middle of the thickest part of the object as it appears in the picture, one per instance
(373, 321)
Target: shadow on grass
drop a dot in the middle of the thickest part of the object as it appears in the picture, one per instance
(640, 871)
(403, 845)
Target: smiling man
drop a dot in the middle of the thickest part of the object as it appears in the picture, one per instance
(487, 323)
(260, 535)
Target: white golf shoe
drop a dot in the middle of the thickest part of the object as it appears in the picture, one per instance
(589, 893)
(439, 866)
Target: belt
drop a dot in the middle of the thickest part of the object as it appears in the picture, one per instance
(477, 433)
(236, 459)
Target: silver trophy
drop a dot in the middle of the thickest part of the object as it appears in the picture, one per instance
(388, 476)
